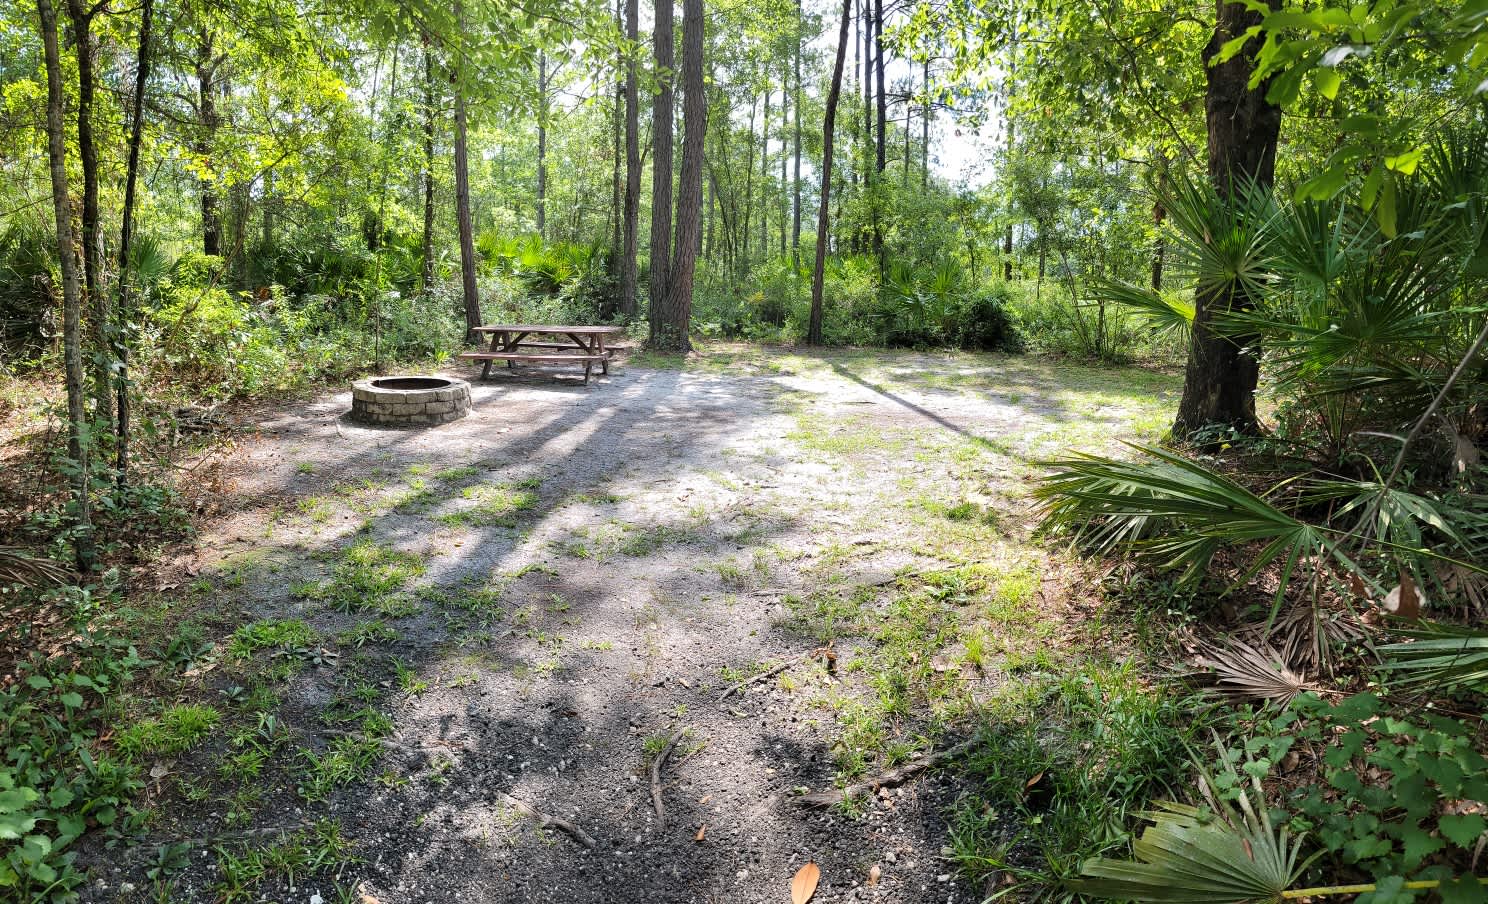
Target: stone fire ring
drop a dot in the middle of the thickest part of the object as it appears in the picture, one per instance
(409, 401)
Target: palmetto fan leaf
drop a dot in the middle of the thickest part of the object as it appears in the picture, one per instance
(1165, 313)
(1441, 655)
(1177, 513)
(1223, 242)
(1252, 672)
(19, 567)
(1186, 858)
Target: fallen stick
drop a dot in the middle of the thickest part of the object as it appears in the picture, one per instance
(767, 674)
(546, 819)
(656, 765)
(896, 776)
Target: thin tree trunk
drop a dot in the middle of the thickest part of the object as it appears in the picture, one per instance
(617, 167)
(462, 210)
(764, 220)
(77, 449)
(881, 147)
(784, 160)
(93, 275)
(796, 186)
(675, 320)
(748, 191)
(428, 238)
(542, 145)
(628, 306)
(1220, 381)
(126, 240)
(661, 162)
(814, 329)
(206, 69)
(925, 113)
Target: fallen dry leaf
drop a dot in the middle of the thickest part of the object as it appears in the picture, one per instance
(873, 875)
(803, 886)
(702, 831)
(1033, 781)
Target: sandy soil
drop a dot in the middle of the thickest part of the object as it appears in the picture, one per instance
(596, 565)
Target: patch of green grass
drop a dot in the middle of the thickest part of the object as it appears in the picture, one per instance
(292, 858)
(645, 541)
(348, 759)
(368, 577)
(367, 632)
(1064, 768)
(269, 632)
(463, 472)
(177, 729)
(495, 505)
(305, 467)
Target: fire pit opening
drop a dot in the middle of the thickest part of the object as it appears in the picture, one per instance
(412, 383)
(409, 401)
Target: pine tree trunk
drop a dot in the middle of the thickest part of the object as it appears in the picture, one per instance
(126, 240)
(428, 237)
(925, 129)
(628, 306)
(77, 449)
(670, 331)
(818, 271)
(661, 162)
(542, 145)
(1220, 381)
(462, 212)
(796, 176)
(784, 160)
(617, 168)
(764, 219)
(743, 263)
(881, 147)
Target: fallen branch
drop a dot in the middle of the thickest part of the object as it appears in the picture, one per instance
(656, 766)
(546, 819)
(896, 776)
(767, 674)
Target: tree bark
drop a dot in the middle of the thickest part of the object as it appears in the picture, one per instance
(462, 211)
(92, 232)
(784, 160)
(675, 320)
(628, 306)
(818, 271)
(881, 138)
(428, 237)
(796, 186)
(1220, 381)
(764, 218)
(126, 241)
(617, 168)
(77, 448)
(661, 161)
(542, 145)
(925, 128)
(206, 71)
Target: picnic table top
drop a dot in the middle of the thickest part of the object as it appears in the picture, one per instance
(548, 328)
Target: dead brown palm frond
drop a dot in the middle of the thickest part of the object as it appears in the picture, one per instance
(20, 567)
(1250, 672)
(1305, 634)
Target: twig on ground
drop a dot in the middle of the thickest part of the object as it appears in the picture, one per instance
(656, 766)
(770, 673)
(896, 776)
(547, 819)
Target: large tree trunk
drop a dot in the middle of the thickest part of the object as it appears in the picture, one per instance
(617, 167)
(542, 145)
(206, 83)
(796, 176)
(818, 271)
(628, 306)
(428, 238)
(661, 161)
(1220, 381)
(671, 329)
(126, 239)
(95, 293)
(77, 448)
(462, 212)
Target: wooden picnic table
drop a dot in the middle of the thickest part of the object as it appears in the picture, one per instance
(556, 344)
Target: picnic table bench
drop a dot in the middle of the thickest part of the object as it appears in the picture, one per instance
(584, 344)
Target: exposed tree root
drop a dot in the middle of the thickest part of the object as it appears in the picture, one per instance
(896, 776)
(544, 820)
(656, 767)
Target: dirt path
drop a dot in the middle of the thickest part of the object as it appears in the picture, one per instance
(530, 602)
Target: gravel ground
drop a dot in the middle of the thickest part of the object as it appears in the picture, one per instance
(597, 565)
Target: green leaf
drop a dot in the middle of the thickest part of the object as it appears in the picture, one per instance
(1419, 844)
(1326, 81)
(1463, 890)
(37, 682)
(1464, 829)
(72, 699)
